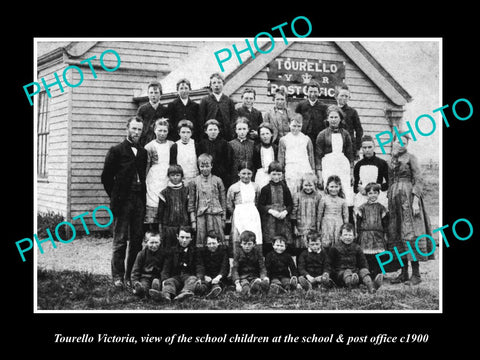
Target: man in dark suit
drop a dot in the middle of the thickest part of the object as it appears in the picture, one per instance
(220, 107)
(123, 178)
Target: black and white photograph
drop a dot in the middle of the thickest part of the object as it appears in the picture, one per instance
(220, 175)
(213, 181)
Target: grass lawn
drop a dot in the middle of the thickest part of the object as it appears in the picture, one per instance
(77, 290)
(76, 276)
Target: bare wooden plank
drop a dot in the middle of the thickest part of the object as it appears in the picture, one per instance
(85, 159)
(88, 172)
(106, 111)
(91, 184)
(90, 201)
(87, 166)
(97, 131)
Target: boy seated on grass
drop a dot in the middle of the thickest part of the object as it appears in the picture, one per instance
(348, 262)
(313, 266)
(248, 272)
(179, 269)
(213, 263)
(281, 269)
(148, 266)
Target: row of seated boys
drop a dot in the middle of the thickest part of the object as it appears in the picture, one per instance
(184, 270)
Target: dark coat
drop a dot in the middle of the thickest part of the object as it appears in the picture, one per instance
(213, 263)
(119, 172)
(280, 265)
(352, 124)
(223, 111)
(248, 265)
(313, 264)
(177, 111)
(222, 157)
(342, 257)
(148, 264)
(180, 261)
(149, 115)
(313, 118)
(254, 116)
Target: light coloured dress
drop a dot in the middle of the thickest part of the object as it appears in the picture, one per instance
(336, 163)
(295, 153)
(332, 214)
(158, 160)
(187, 159)
(242, 203)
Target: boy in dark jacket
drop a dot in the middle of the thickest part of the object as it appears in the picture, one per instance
(148, 265)
(281, 269)
(348, 262)
(213, 263)
(179, 269)
(248, 272)
(313, 266)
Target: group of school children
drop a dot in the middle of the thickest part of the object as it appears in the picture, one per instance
(212, 165)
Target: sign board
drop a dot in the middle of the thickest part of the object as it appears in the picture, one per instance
(293, 75)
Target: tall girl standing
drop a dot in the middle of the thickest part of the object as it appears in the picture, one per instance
(158, 160)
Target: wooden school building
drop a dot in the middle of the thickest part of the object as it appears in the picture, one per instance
(76, 127)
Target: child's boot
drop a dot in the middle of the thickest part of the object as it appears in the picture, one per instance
(138, 289)
(367, 280)
(378, 280)
(403, 275)
(355, 279)
(415, 279)
(293, 283)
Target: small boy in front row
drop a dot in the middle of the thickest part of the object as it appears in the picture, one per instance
(214, 264)
(313, 265)
(148, 266)
(348, 262)
(248, 272)
(281, 269)
(179, 269)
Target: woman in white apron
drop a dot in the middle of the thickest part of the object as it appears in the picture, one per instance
(334, 153)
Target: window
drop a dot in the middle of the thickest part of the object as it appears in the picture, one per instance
(42, 135)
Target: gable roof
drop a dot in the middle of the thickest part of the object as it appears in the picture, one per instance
(375, 71)
(201, 63)
(236, 75)
(353, 49)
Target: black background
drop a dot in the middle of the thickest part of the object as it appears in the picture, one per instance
(460, 276)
